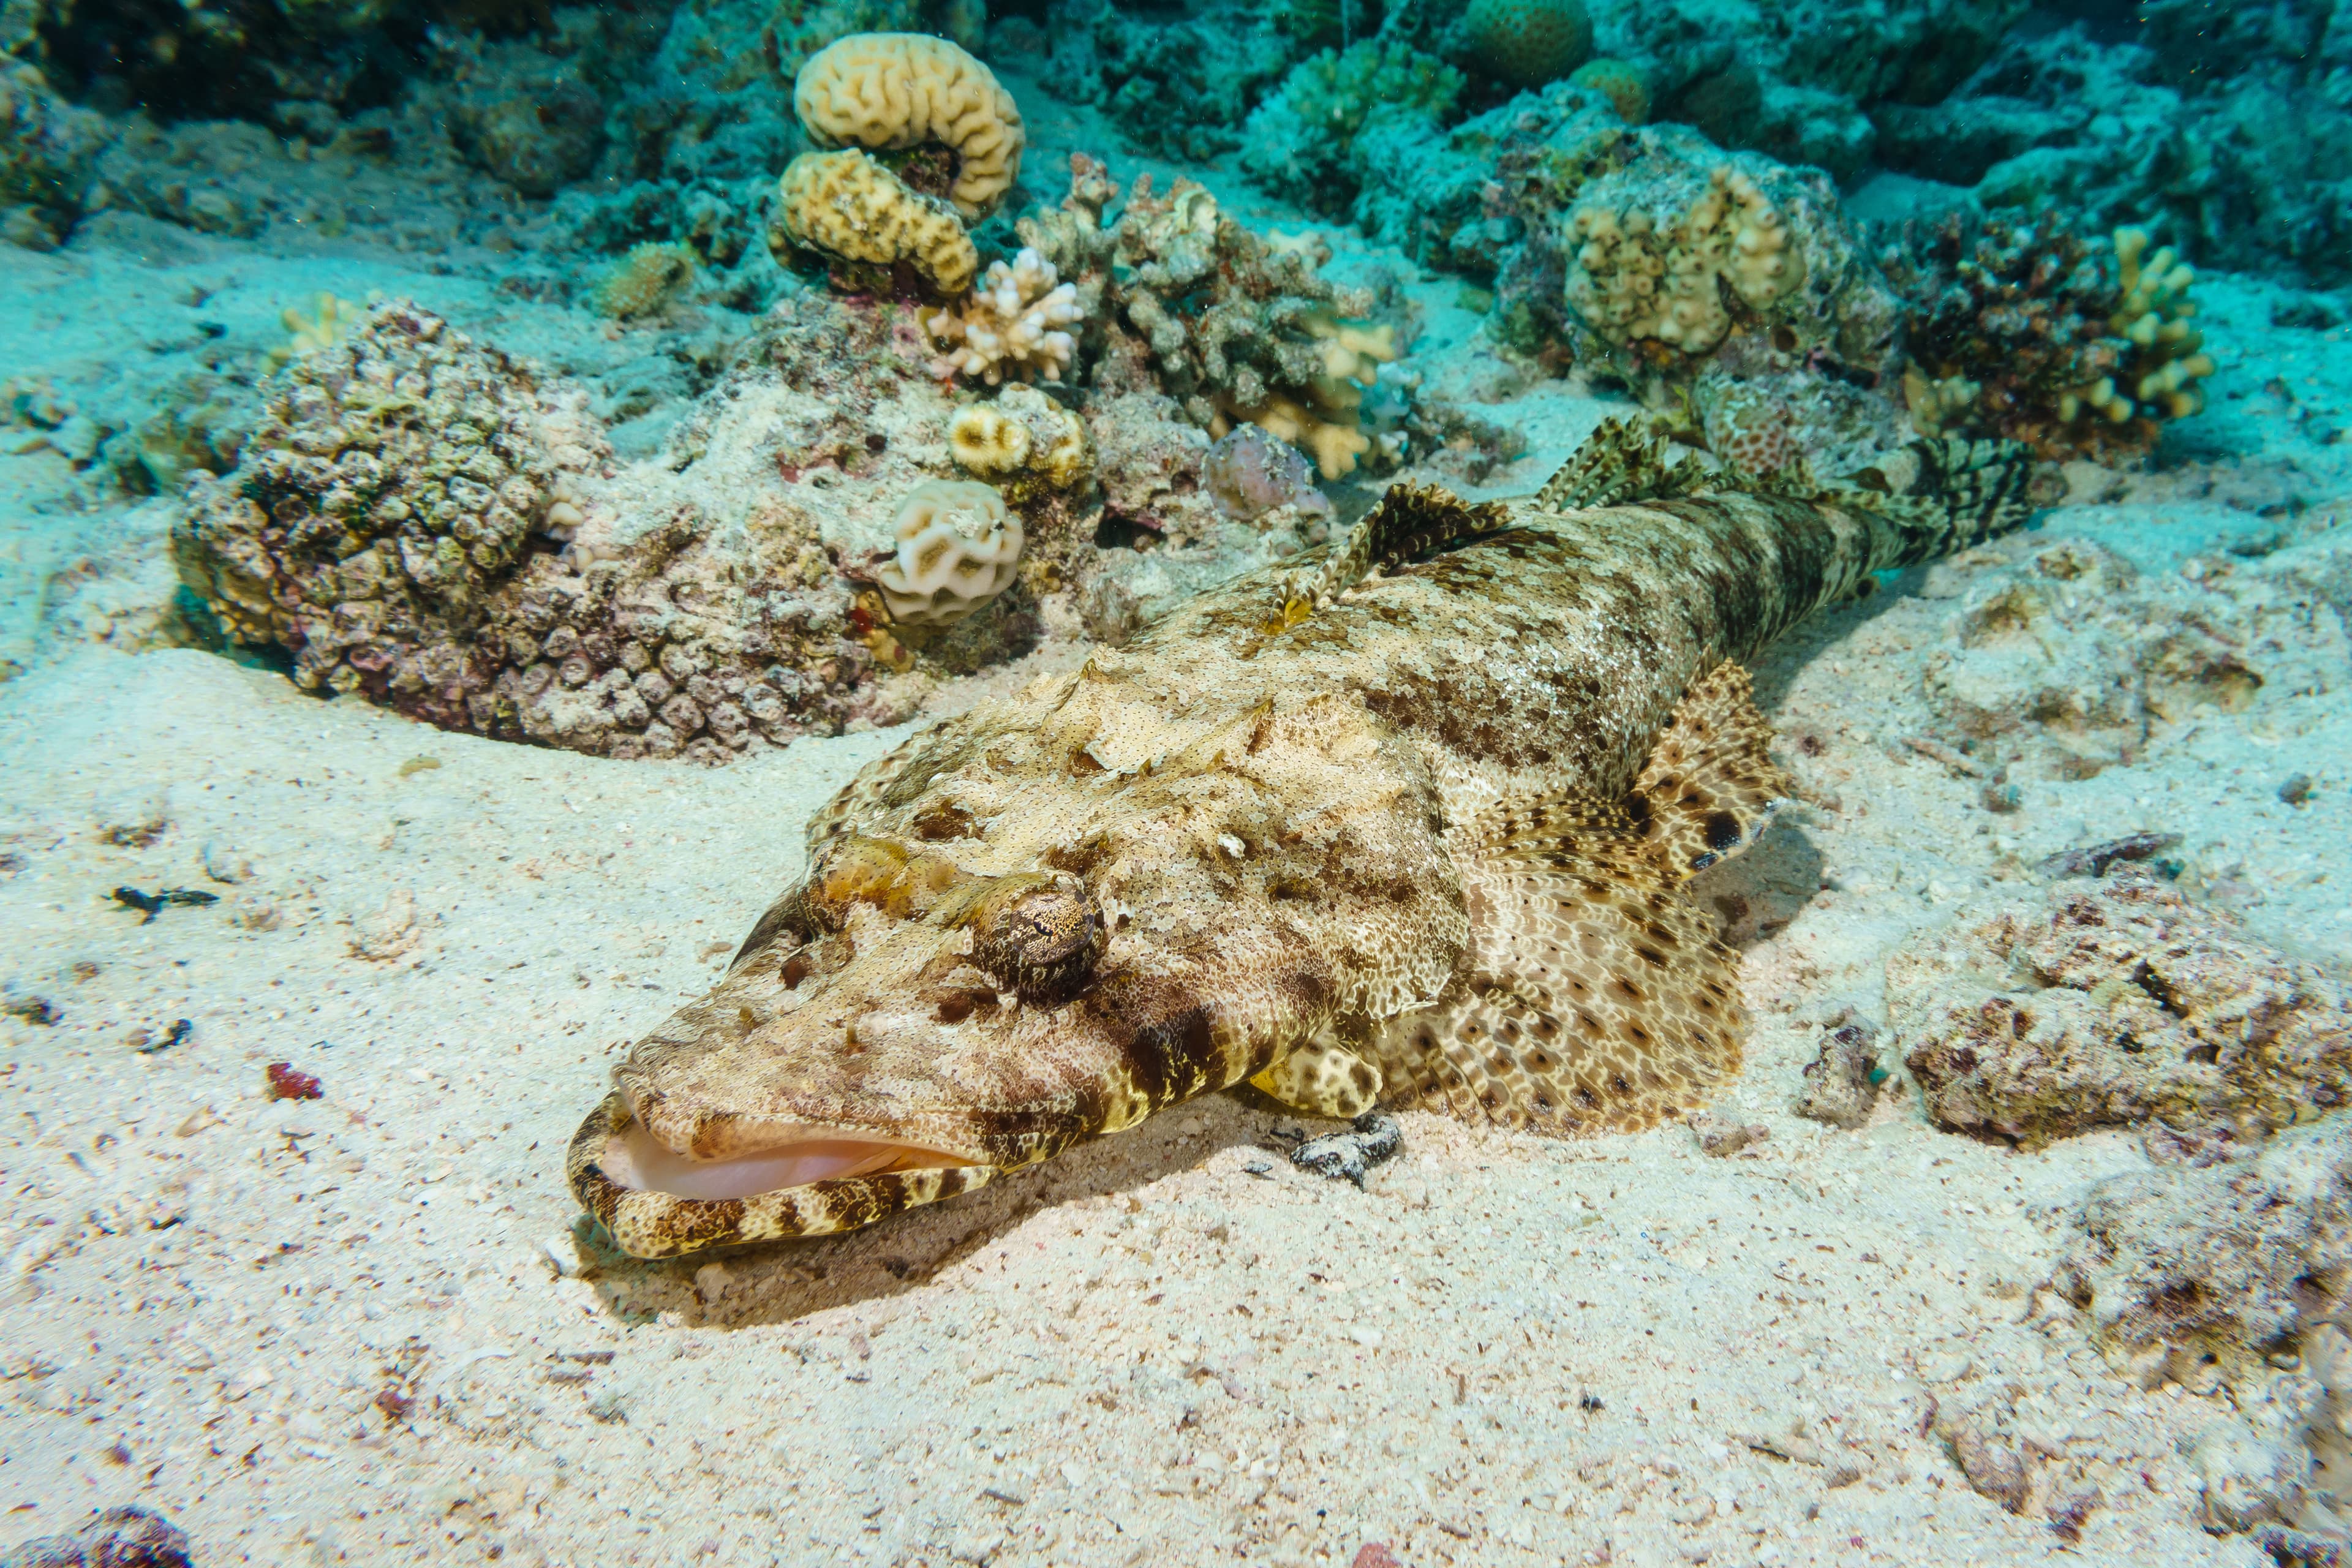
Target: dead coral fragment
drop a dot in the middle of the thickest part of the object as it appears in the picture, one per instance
(2118, 1003)
(846, 206)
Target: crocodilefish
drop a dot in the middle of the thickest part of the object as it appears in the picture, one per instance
(1405, 826)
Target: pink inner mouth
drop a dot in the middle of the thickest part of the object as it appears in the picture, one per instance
(633, 1158)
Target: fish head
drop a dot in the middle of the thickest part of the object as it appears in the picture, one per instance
(917, 1017)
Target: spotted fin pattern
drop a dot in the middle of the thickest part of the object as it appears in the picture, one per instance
(1323, 1077)
(1618, 464)
(1411, 521)
(1593, 997)
(1710, 784)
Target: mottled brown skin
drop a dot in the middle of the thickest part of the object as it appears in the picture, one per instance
(1265, 828)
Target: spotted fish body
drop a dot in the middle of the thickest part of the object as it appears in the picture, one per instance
(1407, 829)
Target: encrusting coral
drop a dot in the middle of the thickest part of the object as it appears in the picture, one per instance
(2033, 332)
(1011, 325)
(415, 521)
(958, 548)
(1660, 268)
(849, 208)
(1024, 439)
(1201, 308)
(900, 90)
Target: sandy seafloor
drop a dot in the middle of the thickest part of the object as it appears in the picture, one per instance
(1170, 1348)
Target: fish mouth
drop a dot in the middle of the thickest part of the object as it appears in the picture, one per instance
(634, 1158)
(810, 1181)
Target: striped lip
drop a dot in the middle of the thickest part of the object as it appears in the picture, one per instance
(635, 1161)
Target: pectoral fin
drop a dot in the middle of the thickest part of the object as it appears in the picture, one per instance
(1591, 996)
(1710, 784)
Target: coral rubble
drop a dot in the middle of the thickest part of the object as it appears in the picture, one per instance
(2117, 1001)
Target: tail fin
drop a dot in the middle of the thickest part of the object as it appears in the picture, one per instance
(1947, 495)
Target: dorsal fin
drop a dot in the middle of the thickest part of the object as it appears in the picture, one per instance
(1412, 520)
(1619, 463)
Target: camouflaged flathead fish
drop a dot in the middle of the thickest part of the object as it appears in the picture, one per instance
(1405, 829)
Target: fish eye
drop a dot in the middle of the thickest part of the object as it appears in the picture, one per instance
(1042, 943)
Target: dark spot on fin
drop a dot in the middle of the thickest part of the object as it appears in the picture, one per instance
(1592, 995)
(1618, 464)
(1710, 781)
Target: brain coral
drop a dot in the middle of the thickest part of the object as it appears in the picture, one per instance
(1527, 42)
(1619, 81)
(958, 547)
(902, 89)
(847, 206)
(1023, 436)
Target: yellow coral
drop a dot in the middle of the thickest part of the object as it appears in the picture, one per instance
(1632, 276)
(1336, 444)
(1325, 422)
(2168, 357)
(1023, 432)
(644, 281)
(901, 89)
(1621, 84)
(330, 327)
(846, 205)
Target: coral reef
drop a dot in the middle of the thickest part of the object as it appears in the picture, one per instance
(644, 281)
(1012, 325)
(1302, 139)
(1193, 303)
(1178, 82)
(958, 547)
(899, 90)
(416, 522)
(849, 208)
(48, 148)
(1528, 43)
(2226, 136)
(2031, 332)
(2118, 1003)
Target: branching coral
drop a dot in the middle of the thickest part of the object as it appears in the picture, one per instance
(2033, 332)
(1012, 325)
(900, 90)
(846, 206)
(1210, 312)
